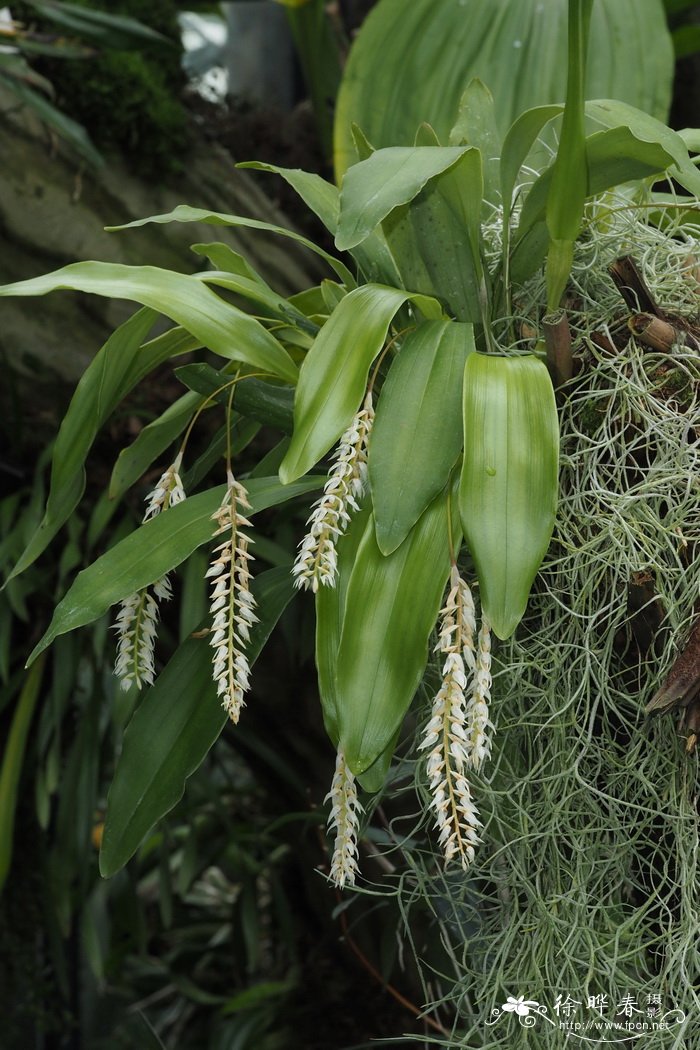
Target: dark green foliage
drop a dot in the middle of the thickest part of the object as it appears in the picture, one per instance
(128, 101)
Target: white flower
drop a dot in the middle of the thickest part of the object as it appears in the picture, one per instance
(477, 719)
(446, 734)
(232, 604)
(344, 819)
(137, 619)
(136, 629)
(168, 490)
(317, 561)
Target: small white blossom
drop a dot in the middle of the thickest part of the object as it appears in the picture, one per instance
(447, 733)
(168, 491)
(478, 723)
(136, 629)
(344, 819)
(317, 561)
(232, 604)
(136, 622)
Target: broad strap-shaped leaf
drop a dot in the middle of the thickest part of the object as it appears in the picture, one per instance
(173, 728)
(436, 239)
(613, 158)
(391, 607)
(184, 213)
(323, 198)
(508, 488)
(333, 377)
(516, 47)
(519, 140)
(330, 612)
(217, 324)
(109, 29)
(476, 126)
(156, 436)
(153, 549)
(372, 780)
(389, 178)
(417, 432)
(320, 196)
(233, 272)
(121, 363)
(150, 442)
(18, 83)
(612, 113)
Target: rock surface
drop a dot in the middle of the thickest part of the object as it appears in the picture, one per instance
(53, 213)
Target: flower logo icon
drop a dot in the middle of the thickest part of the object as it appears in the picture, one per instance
(520, 1006)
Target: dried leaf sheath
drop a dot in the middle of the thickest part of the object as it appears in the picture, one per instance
(232, 604)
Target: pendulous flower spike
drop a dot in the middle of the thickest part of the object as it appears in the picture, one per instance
(232, 604)
(455, 732)
(316, 564)
(137, 618)
(344, 819)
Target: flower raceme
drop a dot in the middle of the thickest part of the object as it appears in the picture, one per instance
(344, 819)
(317, 561)
(137, 619)
(456, 734)
(232, 604)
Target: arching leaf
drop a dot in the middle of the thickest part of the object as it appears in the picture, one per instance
(417, 433)
(509, 483)
(333, 377)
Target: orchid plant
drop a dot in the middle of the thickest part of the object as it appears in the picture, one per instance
(410, 363)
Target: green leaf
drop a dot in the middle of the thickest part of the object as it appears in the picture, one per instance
(391, 607)
(387, 179)
(150, 442)
(12, 761)
(372, 780)
(252, 288)
(476, 126)
(262, 401)
(121, 363)
(508, 488)
(436, 239)
(320, 196)
(612, 113)
(184, 213)
(173, 728)
(153, 549)
(330, 612)
(73, 133)
(317, 44)
(517, 144)
(613, 158)
(411, 62)
(222, 327)
(417, 432)
(333, 377)
(323, 198)
(112, 30)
